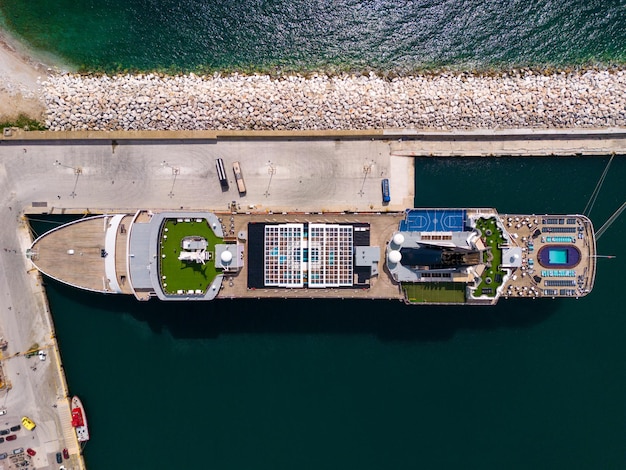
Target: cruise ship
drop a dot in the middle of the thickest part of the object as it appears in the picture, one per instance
(419, 255)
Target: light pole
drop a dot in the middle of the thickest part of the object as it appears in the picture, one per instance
(271, 170)
(175, 173)
(77, 171)
(367, 169)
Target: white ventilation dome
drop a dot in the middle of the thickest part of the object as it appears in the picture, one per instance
(70, 252)
(398, 239)
(226, 257)
(394, 256)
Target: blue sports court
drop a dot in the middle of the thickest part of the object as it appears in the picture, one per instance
(433, 220)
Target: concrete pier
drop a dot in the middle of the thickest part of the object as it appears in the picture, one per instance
(31, 386)
(403, 142)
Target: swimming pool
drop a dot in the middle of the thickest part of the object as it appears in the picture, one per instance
(557, 256)
(563, 256)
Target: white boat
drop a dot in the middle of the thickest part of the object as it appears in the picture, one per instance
(79, 420)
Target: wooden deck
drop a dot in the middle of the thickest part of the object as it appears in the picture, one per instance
(381, 287)
(85, 267)
(522, 227)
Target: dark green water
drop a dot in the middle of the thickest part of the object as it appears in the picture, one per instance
(369, 385)
(331, 35)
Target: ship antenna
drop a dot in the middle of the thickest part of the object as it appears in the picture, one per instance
(594, 195)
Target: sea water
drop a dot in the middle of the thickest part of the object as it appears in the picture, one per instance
(313, 384)
(387, 36)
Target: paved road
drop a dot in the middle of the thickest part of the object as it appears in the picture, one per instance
(308, 175)
(35, 388)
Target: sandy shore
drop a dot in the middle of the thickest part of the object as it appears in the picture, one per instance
(20, 77)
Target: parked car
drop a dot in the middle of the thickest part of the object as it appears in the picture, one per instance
(30, 452)
(17, 427)
(3, 456)
(3, 411)
(66, 454)
(59, 457)
(12, 437)
(19, 450)
(1, 440)
(28, 423)
(4, 432)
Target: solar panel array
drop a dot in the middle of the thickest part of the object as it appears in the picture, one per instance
(319, 255)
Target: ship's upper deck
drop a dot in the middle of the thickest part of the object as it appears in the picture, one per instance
(420, 256)
(87, 253)
(558, 255)
(476, 256)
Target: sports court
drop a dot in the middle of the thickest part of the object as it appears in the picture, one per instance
(433, 220)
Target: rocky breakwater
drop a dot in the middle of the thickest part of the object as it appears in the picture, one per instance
(591, 98)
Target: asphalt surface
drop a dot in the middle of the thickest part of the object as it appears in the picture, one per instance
(34, 387)
(308, 175)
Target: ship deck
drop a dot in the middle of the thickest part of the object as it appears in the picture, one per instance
(537, 232)
(74, 255)
(382, 226)
(85, 267)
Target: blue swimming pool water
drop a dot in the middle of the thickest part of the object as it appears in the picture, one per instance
(557, 256)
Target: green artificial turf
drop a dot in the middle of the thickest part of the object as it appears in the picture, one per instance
(492, 243)
(184, 275)
(435, 292)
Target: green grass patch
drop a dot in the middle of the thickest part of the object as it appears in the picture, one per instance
(185, 275)
(435, 292)
(24, 122)
(491, 278)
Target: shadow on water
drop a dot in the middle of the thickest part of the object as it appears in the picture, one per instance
(387, 320)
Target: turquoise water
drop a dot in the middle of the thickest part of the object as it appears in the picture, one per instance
(557, 256)
(370, 385)
(302, 35)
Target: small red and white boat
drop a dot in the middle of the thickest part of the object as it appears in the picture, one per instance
(79, 420)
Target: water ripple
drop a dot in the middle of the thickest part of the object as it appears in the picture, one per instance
(331, 35)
